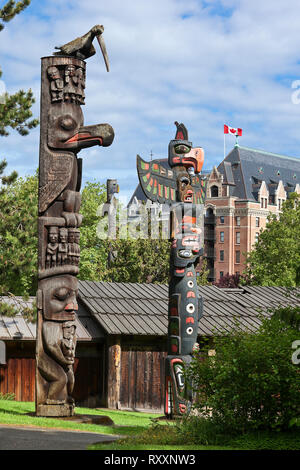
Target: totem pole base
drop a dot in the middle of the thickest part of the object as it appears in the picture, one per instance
(64, 410)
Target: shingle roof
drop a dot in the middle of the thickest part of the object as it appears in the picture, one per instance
(142, 309)
(18, 328)
(127, 308)
(250, 166)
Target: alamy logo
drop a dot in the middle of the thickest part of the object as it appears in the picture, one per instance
(296, 354)
(140, 222)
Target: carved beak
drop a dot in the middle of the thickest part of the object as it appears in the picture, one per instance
(194, 158)
(88, 136)
(103, 50)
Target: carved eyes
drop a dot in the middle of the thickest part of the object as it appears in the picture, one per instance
(184, 182)
(62, 293)
(181, 148)
(67, 123)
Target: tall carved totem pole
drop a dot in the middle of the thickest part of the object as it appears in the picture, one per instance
(183, 188)
(62, 136)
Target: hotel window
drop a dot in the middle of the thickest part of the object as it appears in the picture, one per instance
(222, 237)
(257, 222)
(279, 204)
(263, 202)
(256, 237)
(222, 219)
(237, 256)
(221, 255)
(214, 191)
(238, 221)
(221, 273)
(238, 238)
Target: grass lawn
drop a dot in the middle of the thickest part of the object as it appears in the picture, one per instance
(127, 423)
(139, 431)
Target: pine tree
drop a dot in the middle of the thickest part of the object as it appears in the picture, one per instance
(15, 113)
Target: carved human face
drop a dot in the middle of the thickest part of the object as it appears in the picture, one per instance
(53, 73)
(69, 330)
(53, 237)
(79, 73)
(70, 70)
(184, 188)
(59, 297)
(63, 235)
(71, 237)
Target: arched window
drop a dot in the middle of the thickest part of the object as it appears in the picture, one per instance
(209, 212)
(214, 191)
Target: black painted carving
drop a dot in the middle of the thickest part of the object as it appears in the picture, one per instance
(183, 188)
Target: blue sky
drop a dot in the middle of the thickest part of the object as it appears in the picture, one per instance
(203, 63)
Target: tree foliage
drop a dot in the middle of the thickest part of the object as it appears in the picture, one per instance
(121, 259)
(10, 10)
(251, 382)
(15, 111)
(114, 260)
(275, 261)
(18, 235)
(229, 281)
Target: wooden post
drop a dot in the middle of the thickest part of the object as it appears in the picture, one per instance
(114, 372)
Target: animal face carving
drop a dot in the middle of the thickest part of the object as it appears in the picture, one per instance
(62, 126)
(66, 130)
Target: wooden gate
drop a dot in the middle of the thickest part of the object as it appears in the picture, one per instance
(142, 379)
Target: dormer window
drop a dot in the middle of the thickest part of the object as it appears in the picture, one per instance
(214, 191)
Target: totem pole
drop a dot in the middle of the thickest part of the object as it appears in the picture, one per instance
(110, 210)
(183, 189)
(62, 136)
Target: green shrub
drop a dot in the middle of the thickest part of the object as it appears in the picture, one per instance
(201, 431)
(267, 441)
(251, 382)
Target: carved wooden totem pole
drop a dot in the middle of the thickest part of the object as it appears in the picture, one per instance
(62, 136)
(183, 189)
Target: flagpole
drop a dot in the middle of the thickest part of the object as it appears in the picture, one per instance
(224, 146)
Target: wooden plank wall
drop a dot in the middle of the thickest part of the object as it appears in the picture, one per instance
(18, 375)
(142, 378)
(18, 378)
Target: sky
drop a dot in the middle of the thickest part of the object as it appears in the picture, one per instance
(203, 63)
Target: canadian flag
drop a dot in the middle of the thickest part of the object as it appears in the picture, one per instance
(232, 130)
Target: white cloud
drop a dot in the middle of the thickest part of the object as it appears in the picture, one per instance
(202, 63)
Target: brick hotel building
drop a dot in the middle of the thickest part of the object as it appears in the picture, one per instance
(245, 187)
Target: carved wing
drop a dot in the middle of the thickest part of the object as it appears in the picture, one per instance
(55, 178)
(157, 182)
(199, 185)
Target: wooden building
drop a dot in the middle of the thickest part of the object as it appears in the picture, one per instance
(122, 342)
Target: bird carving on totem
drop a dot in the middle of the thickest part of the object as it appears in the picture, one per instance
(180, 183)
(82, 47)
(62, 128)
